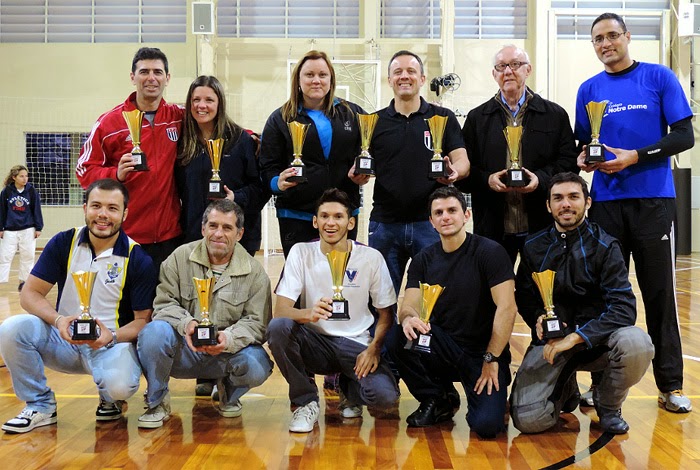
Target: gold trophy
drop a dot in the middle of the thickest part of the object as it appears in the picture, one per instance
(429, 295)
(594, 150)
(206, 333)
(298, 132)
(437, 132)
(552, 327)
(216, 186)
(516, 176)
(364, 163)
(133, 120)
(85, 326)
(338, 261)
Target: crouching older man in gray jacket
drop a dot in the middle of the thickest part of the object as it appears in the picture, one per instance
(239, 306)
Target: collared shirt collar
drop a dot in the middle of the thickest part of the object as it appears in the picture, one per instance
(121, 245)
(520, 102)
(424, 106)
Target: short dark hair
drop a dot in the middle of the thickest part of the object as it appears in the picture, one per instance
(335, 195)
(567, 177)
(610, 16)
(225, 206)
(149, 53)
(405, 52)
(108, 184)
(445, 192)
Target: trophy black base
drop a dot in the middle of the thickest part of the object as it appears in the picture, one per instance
(594, 154)
(516, 178)
(205, 335)
(437, 169)
(216, 190)
(420, 344)
(340, 311)
(85, 330)
(364, 166)
(300, 177)
(140, 160)
(552, 327)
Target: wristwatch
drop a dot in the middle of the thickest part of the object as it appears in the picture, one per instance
(113, 342)
(489, 357)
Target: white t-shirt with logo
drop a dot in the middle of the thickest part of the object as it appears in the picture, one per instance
(307, 276)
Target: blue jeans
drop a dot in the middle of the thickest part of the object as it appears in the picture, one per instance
(164, 354)
(400, 242)
(28, 344)
(299, 350)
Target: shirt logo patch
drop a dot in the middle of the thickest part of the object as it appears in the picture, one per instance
(352, 275)
(347, 125)
(427, 140)
(172, 133)
(113, 271)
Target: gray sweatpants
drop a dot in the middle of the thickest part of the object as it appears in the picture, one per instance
(540, 388)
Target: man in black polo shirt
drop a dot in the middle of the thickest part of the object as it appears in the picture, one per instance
(402, 147)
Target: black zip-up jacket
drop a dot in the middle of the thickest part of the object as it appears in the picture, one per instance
(592, 292)
(276, 156)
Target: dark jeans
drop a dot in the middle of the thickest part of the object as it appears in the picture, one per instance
(425, 375)
(400, 242)
(298, 349)
(161, 250)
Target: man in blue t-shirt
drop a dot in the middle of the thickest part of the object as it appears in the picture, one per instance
(121, 302)
(632, 191)
(470, 325)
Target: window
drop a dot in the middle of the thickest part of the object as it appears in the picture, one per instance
(410, 19)
(51, 161)
(81, 21)
(288, 18)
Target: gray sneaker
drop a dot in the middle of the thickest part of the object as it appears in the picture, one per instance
(587, 397)
(108, 411)
(232, 410)
(154, 417)
(675, 402)
(348, 409)
(305, 418)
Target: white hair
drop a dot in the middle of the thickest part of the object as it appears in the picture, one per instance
(517, 49)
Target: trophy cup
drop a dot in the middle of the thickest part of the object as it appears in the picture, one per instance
(437, 131)
(594, 150)
(298, 132)
(216, 187)
(338, 261)
(206, 333)
(516, 176)
(429, 296)
(85, 326)
(133, 120)
(552, 327)
(364, 163)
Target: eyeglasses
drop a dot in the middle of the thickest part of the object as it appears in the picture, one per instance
(513, 66)
(611, 37)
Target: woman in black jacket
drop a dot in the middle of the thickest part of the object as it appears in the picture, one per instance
(331, 145)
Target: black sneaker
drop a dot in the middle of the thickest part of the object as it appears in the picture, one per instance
(431, 411)
(204, 387)
(107, 411)
(612, 421)
(28, 420)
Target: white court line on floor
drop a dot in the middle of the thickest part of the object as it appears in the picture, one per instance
(692, 358)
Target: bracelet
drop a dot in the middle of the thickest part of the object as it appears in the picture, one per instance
(55, 322)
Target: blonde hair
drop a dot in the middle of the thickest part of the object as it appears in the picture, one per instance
(14, 171)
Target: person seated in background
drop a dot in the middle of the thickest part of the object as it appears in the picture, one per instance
(121, 303)
(305, 339)
(239, 305)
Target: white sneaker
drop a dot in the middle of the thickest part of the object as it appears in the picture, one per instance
(675, 401)
(348, 409)
(28, 420)
(230, 411)
(154, 417)
(304, 418)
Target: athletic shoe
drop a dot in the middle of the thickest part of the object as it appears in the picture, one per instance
(304, 418)
(204, 388)
(154, 417)
(612, 421)
(430, 412)
(28, 420)
(107, 411)
(675, 401)
(349, 410)
(587, 397)
(233, 410)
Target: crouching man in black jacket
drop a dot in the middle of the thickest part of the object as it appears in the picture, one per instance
(594, 298)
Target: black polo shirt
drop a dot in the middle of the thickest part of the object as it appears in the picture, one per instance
(402, 148)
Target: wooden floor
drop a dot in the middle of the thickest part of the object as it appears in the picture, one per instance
(197, 437)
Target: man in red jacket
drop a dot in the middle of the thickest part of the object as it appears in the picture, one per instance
(154, 211)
